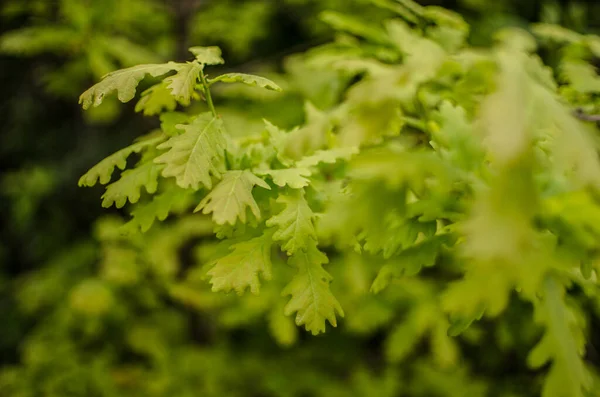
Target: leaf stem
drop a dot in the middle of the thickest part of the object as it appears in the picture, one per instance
(207, 95)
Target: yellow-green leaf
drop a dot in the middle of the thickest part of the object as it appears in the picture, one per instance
(229, 200)
(196, 154)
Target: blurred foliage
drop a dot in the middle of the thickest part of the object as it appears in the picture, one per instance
(91, 36)
(87, 311)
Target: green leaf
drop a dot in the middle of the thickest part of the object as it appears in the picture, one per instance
(170, 120)
(196, 154)
(562, 343)
(104, 169)
(230, 198)
(125, 51)
(505, 114)
(412, 6)
(371, 117)
(38, 39)
(292, 177)
(183, 83)
(409, 261)
(207, 55)
(355, 26)
(423, 56)
(311, 299)
(155, 100)
(124, 81)
(129, 185)
(144, 215)
(460, 323)
(581, 75)
(282, 327)
(398, 169)
(241, 268)
(249, 79)
(555, 33)
(391, 230)
(402, 339)
(327, 156)
(306, 139)
(454, 137)
(278, 139)
(294, 223)
(393, 6)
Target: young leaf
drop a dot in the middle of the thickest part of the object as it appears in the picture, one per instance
(196, 154)
(183, 83)
(157, 209)
(155, 100)
(248, 79)
(278, 138)
(294, 224)
(129, 185)
(555, 33)
(453, 136)
(562, 343)
(170, 120)
(327, 156)
(310, 137)
(282, 327)
(207, 55)
(355, 26)
(124, 81)
(241, 267)
(292, 177)
(311, 298)
(403, 338)
(229, 199)
(397, 8)
(409, 261)
(104, 169)
(38, 39)
(581, 76)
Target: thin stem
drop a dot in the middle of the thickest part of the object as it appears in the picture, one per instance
(209, 101)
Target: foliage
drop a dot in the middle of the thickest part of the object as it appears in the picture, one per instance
(97, 37)
(438, 206)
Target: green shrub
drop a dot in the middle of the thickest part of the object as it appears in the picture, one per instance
(441, 214)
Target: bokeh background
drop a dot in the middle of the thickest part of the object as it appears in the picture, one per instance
(78, 319)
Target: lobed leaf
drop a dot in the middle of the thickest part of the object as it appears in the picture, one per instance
(240, 269)
(311, 298)
(249, 79)
(183, 83)
(292, 177)
(562, 344)
(294, 223)
(581, 76)
(327, 156)
(155, 100)
(207, 55)
(125, 82)
(230, 198)
(355, 26)
(170, 120)
(409, 261)
(144, 215)
(196, 154)
(129, 185)
(103, 170)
